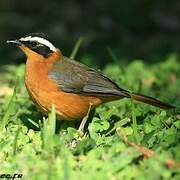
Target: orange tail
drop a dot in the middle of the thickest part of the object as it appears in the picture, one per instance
(151, 101)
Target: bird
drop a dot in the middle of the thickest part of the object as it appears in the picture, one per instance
(72, 87)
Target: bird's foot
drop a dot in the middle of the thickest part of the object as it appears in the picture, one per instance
(75, 141)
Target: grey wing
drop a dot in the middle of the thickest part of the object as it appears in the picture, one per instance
(74, 77)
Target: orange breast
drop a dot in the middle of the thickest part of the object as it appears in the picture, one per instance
(44, 92)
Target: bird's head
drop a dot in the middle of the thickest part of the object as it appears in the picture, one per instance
(35, 43)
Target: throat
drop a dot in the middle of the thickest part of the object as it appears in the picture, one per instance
(35, 75)
(36, 72)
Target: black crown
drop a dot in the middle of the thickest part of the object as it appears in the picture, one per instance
(41, 35)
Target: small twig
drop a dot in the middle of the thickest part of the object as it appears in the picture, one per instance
(147, 153)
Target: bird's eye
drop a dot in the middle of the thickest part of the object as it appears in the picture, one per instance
(34, 44)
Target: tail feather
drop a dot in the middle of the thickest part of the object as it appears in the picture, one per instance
(151, 101)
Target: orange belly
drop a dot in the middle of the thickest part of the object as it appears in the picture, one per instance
(68, 106)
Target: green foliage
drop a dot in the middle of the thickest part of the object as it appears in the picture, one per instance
(145, 29)
(33, 145)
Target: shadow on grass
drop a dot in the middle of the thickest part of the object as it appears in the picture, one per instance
(33, 118)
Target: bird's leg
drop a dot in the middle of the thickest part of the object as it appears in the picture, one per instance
(81, 129)
(84, 120)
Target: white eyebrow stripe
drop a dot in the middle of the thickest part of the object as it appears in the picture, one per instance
(40, 40)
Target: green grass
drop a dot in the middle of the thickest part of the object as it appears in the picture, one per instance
(29, 144)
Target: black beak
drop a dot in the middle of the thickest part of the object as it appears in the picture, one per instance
(15, 42)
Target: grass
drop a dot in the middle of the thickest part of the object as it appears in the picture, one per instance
(124, 140)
